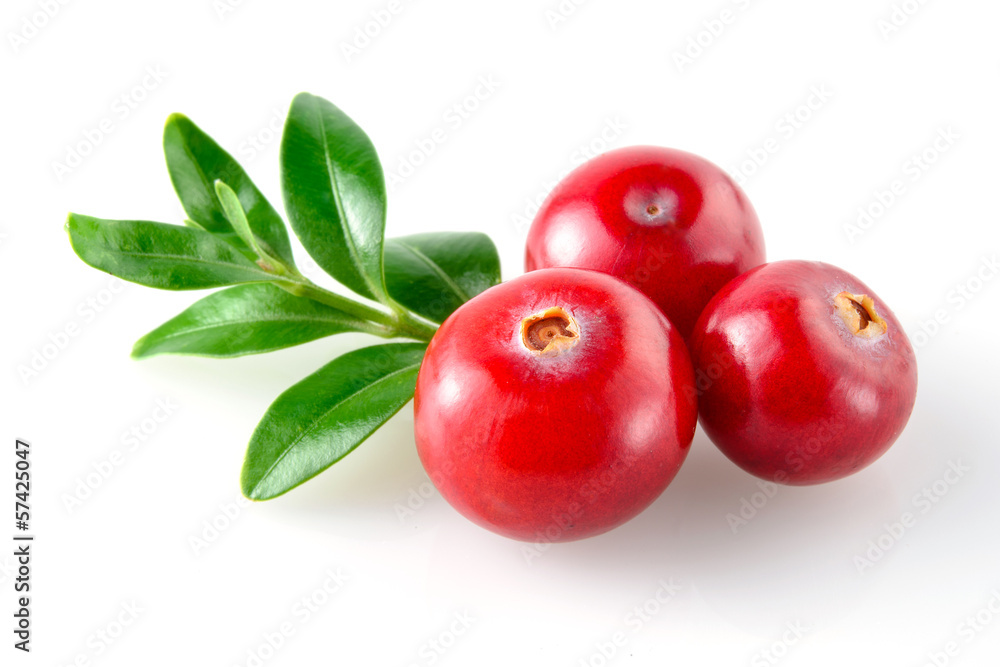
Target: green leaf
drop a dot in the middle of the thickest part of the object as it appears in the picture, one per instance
(238, 219)
(324, 417)
(433, 274)
(160, 255)
(334, 192)
(195, 161)
(247, 319)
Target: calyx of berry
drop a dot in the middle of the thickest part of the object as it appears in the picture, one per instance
(859, 314)
(549, 332)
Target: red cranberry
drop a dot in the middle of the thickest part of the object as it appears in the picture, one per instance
(670, 223)
(555, 406)
(804, 374)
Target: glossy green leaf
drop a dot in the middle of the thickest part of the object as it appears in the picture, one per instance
(334, 192)
(246, 319)
(160, 255)
(433, 274)
(324, 417)
(195, 161)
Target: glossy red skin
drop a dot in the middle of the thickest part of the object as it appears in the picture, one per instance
(596, 219)
(786, 391)
(555, 448)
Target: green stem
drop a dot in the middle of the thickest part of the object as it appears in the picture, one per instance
(310, 290)
(389, 325)
(408, 321)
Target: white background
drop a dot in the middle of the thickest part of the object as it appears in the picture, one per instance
(559, 85)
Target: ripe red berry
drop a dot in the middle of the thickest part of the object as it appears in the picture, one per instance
(555, 406)
(804, 374)
(667, 222)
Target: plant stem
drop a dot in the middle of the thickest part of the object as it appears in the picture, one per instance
(423, 329)
(310, 290)
(390, 325)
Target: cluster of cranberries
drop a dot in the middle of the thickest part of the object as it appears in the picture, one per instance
(560, 404)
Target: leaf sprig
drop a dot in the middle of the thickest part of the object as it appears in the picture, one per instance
(334, 194)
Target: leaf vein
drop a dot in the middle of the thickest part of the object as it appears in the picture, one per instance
(436, 268)
(247, 320)
(194, 260)
(338, 201)
(202, 176)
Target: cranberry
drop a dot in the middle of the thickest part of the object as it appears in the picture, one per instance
(669, 223)
(555, 406)
(804, 374)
